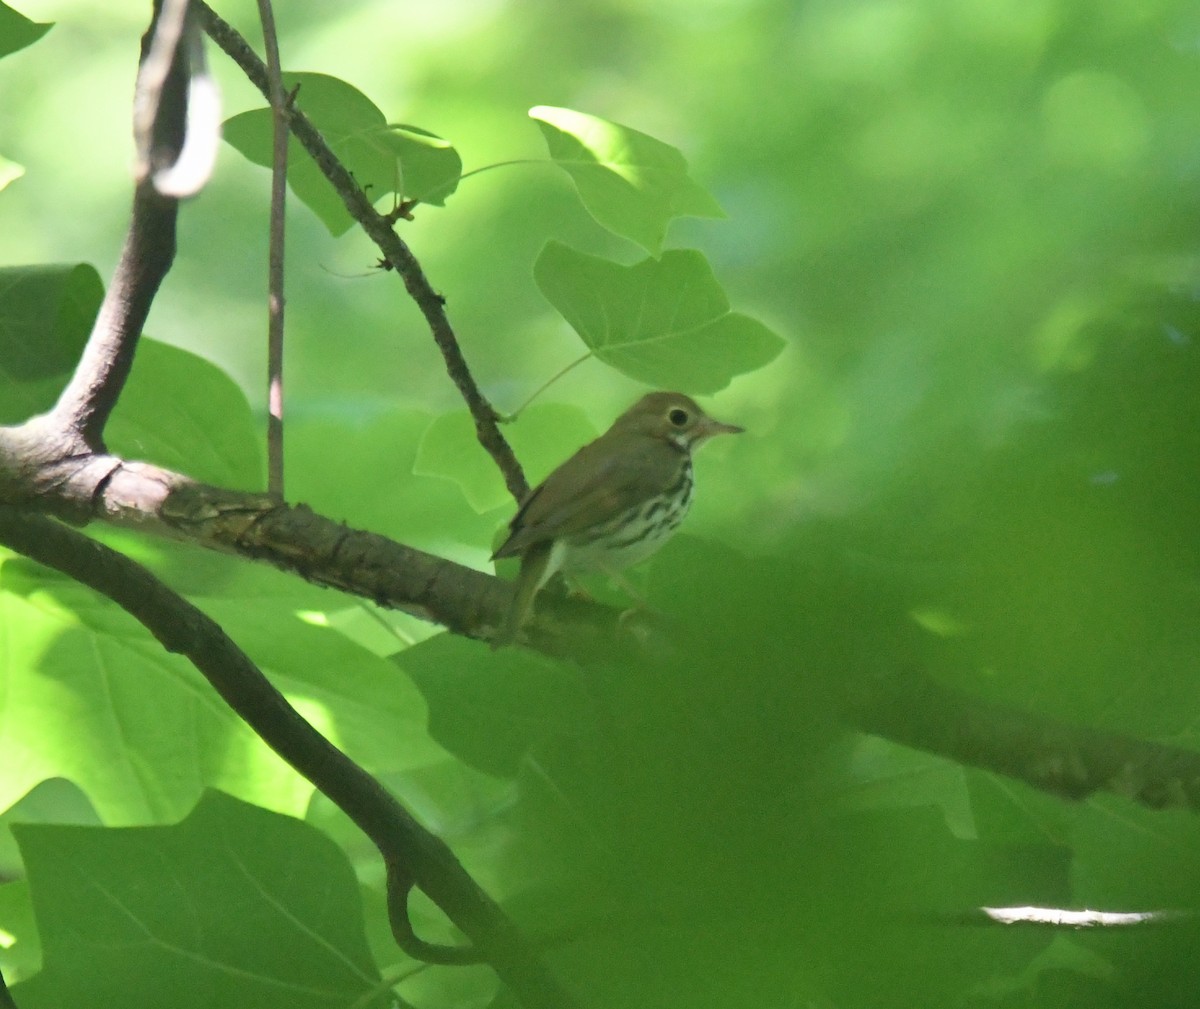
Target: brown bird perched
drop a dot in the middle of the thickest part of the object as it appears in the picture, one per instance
(613, 503)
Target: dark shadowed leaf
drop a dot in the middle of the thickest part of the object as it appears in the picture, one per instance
(235, 906)
(17, 31)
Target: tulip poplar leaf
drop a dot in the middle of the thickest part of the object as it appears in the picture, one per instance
(17, 31)
(46, 313)
(183, 412)
(491, 709)
(631, 183)
(235, 906)
(666, 322)
(384, 158)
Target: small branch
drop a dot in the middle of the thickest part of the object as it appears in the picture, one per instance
(171, 49)
(279, 152)
(412, 854)
(395, 251)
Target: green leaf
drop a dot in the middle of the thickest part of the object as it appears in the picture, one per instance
(383, 157)
(141, 732)
(492, 708)
(430, 166)
(10, 171)
(631, 183)
(177, 409)
(46, 313)
(91, 697)
(234, 907)
(666, 321)
(352, 696)
(20, 953)
(17, 31)
(183, 412)
(542, 437)
(331, 448)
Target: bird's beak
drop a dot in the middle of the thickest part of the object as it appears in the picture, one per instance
(711, 427)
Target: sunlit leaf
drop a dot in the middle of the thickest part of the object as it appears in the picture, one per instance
(631, 183)
(383, 157)
(10, 171)
(662, 321)
(90, 697)
(235, 906)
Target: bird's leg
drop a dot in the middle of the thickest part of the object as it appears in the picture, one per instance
(537, 565)
(625, 585)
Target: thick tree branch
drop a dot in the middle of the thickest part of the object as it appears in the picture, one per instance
(412, 854)
(395, 251)
(906, 707)
(171, 64)
(291, 537)
(1066, 760)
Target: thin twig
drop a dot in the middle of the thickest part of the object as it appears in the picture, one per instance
(395, 252)
(279, 151)
(412, 854)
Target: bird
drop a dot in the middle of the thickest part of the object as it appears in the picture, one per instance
(610, 505)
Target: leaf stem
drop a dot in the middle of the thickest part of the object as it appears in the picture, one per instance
(476, 171)
(387, 981)
(504, 164)
(508, 418)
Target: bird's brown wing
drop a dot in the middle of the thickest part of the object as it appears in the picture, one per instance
(594, 485)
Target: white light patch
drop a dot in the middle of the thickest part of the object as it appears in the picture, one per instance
(1077, 919)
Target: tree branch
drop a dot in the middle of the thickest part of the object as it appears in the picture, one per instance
(1066, 760)
(412, 854)
(170, 78)
(148, 498)
(904, 706)
(395, 251)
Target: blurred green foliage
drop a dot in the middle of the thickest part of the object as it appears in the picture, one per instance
(976, 224)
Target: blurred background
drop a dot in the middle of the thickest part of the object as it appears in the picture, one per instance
(976, 224)
(944, 207)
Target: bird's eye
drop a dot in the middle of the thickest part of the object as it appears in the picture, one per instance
(678, 417)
